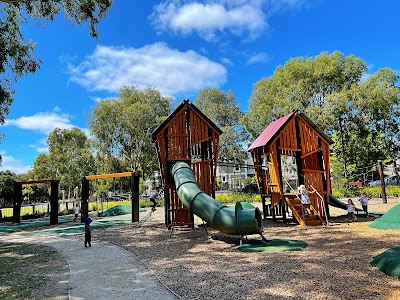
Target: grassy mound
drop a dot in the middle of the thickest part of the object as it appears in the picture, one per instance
(388, 262)
(390, 220)
(123, 209)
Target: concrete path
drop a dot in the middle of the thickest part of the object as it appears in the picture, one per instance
(103, 271)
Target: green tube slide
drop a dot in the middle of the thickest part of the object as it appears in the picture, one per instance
(237, 220)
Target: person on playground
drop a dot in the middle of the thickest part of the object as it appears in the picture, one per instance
(304, 198)
(76, 212)
(364, 203)
(88, 232)
(351, 208)
(153, 198)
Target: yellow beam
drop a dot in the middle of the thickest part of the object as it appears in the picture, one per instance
(126, 174)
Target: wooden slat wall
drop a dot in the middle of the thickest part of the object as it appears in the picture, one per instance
(314, 172)
(288, 137)
(275, 182)
(178, 141)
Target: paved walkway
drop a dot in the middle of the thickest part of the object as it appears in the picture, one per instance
(103, 271)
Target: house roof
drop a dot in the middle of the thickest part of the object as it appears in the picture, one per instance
(176, 111)
(273, 129)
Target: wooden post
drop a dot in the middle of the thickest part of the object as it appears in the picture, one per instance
(17, 201)
(383, 187)
(135, 196)
(54, 202)
(84, 199)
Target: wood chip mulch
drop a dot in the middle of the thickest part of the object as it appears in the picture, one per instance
(335, 265)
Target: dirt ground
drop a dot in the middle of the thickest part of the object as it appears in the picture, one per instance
(200, 265)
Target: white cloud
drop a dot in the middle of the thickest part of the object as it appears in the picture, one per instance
(210, 18)
(42, 149)
(257, 58)
(12, 164)
(226, 61)
(44, 122)
(158, 66)
(213, 18)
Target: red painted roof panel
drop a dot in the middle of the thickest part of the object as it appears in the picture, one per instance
(270, 132)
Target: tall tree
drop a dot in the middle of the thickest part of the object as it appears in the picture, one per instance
(71, 154)
(123, 126)
(222, 109)
(7, 179)
(17, 57)
(69, 159)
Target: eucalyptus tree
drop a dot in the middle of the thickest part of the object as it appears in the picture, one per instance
(17, 56)
(7, 179)
(70, 158)
(222, 109)
(122, 127)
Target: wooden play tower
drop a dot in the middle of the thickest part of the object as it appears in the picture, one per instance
(293, 135)
(186, 135)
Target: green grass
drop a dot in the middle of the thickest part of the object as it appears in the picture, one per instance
(25, 269)
(8, 212)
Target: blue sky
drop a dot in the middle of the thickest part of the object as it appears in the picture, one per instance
(180, 47)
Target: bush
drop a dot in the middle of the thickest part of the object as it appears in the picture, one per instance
(237, 197)
(372, 191)
(66, 212)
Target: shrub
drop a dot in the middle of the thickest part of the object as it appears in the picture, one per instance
(237, 197)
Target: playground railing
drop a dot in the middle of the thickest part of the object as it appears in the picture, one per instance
(321, 203)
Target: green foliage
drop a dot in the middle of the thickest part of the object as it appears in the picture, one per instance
(373, 191)
(69, 159)
(17, 57)
(123, 127)
(7, 180)
(222, 109)
(249, 179)
(237, 197)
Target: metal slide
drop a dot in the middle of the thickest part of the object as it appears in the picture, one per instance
(230, 220)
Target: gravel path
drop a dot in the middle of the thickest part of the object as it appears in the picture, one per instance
(103, 271)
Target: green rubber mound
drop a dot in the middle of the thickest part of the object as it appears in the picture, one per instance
(390, 220)
(123, 209)
(388, 262)
(275, 245)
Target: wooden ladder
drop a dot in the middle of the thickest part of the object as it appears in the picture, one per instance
(295, 205)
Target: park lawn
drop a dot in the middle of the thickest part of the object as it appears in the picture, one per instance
(26, 269)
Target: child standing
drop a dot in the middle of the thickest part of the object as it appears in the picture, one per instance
(305, 200)
(88, 232)
(76, 212)
(364, 203)
(351, 208)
